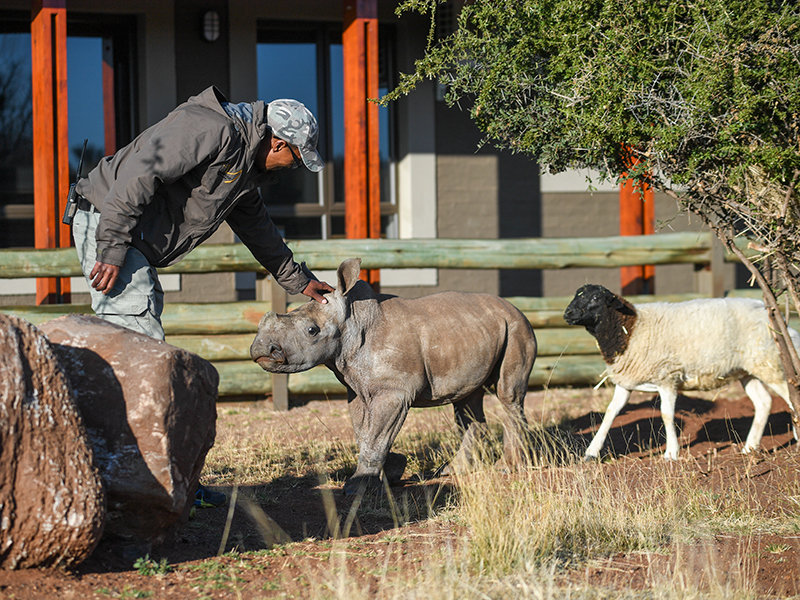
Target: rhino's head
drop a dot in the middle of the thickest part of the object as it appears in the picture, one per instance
(310, 335)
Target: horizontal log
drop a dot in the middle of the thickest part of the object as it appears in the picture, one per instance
(559, 303)
(59, 262)
(243, 317)
(551, 342)
(529, 253)
(523, 253)
(566, 370)
(238, 318)
(36, 315)
(565, 340)
(178, 319)
(245, 378)
(209, 319)
(215, 348)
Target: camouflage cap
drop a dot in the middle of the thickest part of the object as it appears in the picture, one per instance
(292, 122)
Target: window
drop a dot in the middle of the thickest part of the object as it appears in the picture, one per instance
(305, 62)
(101, 112)
(16, 134)
(100, 74)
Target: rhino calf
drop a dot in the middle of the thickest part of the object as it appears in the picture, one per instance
(393, 353)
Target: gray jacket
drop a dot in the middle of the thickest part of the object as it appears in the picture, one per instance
(171, 188)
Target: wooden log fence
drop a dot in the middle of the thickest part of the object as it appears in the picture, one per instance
(528, 253)
(222, 332)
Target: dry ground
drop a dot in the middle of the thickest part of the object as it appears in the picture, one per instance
(376, 546)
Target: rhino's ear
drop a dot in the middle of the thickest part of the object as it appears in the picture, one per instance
(348, 273)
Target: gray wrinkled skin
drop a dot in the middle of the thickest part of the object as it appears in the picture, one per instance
(392, 353)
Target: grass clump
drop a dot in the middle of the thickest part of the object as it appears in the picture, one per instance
(145, 565)
(568, 515)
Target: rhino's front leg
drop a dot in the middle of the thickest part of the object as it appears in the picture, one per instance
(376, 423)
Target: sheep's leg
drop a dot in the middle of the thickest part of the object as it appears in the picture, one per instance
(762, 402)
(620, 399)
(782, 389)
(668, 398)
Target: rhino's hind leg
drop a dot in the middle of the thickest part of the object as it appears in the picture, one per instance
(512, 385)
(471, 423)
(393, 467)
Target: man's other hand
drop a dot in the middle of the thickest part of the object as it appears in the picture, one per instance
(103, 277)
(315, 288)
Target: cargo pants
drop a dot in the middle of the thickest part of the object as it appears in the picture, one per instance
(137, 299)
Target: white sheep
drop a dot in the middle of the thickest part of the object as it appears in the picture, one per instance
(665, 347)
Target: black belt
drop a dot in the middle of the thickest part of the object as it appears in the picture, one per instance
(84, 204)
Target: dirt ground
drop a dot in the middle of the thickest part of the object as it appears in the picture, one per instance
(297, 506)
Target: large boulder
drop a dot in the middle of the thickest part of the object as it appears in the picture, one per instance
(52, 505)
(150, 411)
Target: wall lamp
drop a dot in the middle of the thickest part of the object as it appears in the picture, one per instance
(211, 26)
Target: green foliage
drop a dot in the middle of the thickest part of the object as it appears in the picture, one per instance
(700, 100)
(145, 565)
(708, 86)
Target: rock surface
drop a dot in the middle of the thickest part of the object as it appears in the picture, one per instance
(150, 411)
(52, 505)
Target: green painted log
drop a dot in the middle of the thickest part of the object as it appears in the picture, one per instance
(526, 253)
(60, 262)
(542, 319)
(530, 253)
(551, 342)
(548, 312)
(210, 319)
(559, 303)
(554, 342)
(222, 347)
(565, 340)
(178, 319)
(245, 378)
(243, 317)
(37, 315)
(566, 370)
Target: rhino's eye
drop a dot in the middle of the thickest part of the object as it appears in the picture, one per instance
(313, 330)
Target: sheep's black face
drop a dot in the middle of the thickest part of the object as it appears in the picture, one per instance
(589, 305)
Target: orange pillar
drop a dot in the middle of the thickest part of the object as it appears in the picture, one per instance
(362, 192)
(636, 217)
(50, 141)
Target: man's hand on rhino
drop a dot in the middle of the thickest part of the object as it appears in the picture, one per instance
(315, 288)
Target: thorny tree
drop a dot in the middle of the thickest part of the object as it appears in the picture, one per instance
(700, 100)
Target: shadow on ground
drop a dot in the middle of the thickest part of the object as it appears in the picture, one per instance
(289, 509)
(703, 426)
